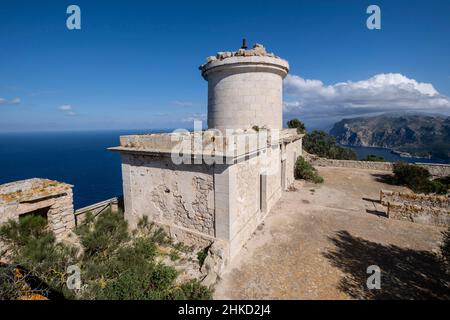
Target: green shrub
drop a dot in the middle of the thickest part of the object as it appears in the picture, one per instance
(295, 123)
(34, 249)
(192, 290)
(417, 179)
(104, 234)
(114, 264)
(445, 181)
(304, 170)
(324, 145)
(374, 158)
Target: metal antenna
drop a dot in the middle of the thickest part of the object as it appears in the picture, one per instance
(244, 44)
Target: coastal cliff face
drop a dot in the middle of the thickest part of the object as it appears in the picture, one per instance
(419, 135)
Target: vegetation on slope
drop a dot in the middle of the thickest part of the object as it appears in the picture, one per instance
(321, 144)
(374, 158)
(114, 264)
(304, 170)
(295, 123)
(418, 179)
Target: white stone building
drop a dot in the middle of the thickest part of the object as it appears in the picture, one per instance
(219, 184)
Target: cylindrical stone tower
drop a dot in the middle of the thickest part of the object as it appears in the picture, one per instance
(245, 89)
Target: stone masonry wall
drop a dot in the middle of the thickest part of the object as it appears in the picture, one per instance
(26, 196)
(242, 100)
(169, 194)
(421, 208)
(436, 170)
(292, 152)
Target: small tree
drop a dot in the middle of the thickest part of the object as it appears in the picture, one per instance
(295, 123)
(324, 145)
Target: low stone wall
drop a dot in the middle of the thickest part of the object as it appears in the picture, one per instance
(421, 208)
(98, 208)
(436, 170)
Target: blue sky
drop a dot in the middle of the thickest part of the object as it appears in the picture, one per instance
(134, 64)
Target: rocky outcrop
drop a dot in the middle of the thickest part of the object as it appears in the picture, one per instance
(417, 134)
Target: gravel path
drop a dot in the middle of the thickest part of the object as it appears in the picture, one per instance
(318, 241)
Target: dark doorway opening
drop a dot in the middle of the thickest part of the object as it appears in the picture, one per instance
(42, 212)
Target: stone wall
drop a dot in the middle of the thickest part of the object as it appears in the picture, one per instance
(421, 208)
(207, 201)
(181, 196)
(51, 199)
(235, 102)
(436, 170)
(292, 152)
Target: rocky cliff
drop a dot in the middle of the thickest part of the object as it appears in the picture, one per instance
(417, 134)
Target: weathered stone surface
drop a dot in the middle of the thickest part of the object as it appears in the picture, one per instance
(214, 263)
(436, 170)
(25, 196)
(228, 181)
(421, 208)
(245, 89)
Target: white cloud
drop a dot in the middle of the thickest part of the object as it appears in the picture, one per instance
(179, 103)
(67, 109)
(195, 117)
(380, 93)
(11, 102)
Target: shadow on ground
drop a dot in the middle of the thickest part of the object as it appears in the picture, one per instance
(375, 211)
(386, 178)
(405, 273)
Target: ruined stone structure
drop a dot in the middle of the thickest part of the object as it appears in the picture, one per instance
(52, 200)
(217, 185)
(421, 208)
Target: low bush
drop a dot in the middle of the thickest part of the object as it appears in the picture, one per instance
(113, 264)
(35, 252)
(304, 170)
(374, 158)
(417, 179)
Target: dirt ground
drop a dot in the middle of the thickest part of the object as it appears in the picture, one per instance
(318, 241)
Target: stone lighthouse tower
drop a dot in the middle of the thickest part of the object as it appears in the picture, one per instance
(225, 183)
(245, 89)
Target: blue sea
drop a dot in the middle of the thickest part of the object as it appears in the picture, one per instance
(82, 159)
(362, 152)
(79, 158)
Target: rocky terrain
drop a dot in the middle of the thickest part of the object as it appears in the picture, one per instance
(417, 134)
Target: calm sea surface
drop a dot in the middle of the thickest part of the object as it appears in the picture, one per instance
(78, 158)
(362, 152)
(81, 159)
